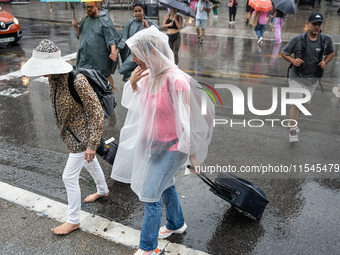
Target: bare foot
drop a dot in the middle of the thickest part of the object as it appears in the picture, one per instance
(65, 228)
(94, 197)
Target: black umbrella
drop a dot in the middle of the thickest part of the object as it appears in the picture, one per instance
(286, 6)
(180, 6)
(215, 1)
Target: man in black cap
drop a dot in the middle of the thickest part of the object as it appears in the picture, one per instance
(307, 65)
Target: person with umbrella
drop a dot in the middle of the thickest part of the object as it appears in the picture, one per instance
(138, 22)
(249, 11)
(261, 25)
(262, 8)
(279, 15)
(202, 9)
(173, 23)
(282, 7)
(98, 39)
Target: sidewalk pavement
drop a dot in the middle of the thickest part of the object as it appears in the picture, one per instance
(26, 220)
(294, 25)
(25, 232)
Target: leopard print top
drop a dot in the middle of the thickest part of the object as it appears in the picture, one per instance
(81, 126)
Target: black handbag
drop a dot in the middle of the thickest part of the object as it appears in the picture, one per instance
(107, 150)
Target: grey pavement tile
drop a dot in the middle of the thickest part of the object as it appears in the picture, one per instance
(39, 240)
(4, 205)
(13, 220)
(24, 232)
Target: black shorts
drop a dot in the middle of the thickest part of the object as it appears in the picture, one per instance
(249, 8)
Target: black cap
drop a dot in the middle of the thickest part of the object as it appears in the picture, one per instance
(315, 17)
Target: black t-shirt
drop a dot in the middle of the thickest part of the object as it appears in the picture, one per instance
(307, 71)
(279, 14)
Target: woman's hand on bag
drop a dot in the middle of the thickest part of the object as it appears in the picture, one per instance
(194, 163)
(136, 76)
(89, 154)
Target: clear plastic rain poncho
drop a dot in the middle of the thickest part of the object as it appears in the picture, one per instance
(164, 123)
(96, 39)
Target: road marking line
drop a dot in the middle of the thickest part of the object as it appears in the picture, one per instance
(93, 224)
(18, 74)
(13, 93)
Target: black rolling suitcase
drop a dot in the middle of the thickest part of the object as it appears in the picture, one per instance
(241, 193)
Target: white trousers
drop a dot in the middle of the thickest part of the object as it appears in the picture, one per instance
(72, 170)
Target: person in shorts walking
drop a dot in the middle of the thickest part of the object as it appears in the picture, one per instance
(308, 63)
(249, 11)
(202, 9)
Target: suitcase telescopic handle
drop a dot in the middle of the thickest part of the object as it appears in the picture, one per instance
(227, 187)
(206, 180)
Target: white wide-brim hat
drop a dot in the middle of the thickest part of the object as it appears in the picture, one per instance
(43, 63)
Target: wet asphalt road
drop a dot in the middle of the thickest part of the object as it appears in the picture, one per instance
(301, 217)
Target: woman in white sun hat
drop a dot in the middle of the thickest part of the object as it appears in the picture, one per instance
(80, 126)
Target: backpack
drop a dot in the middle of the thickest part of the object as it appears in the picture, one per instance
(303, 42)
(100, 85)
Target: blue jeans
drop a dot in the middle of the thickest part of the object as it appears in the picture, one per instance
(153, 216)
(259, 30)
(273, 20)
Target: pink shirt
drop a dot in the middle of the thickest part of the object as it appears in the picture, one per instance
(263, 18)
(164, 120)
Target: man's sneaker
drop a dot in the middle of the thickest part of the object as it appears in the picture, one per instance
(260, 40)
(142, 252)
(293, 137)
(336, 92)
(297, 129)
(164, 232)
